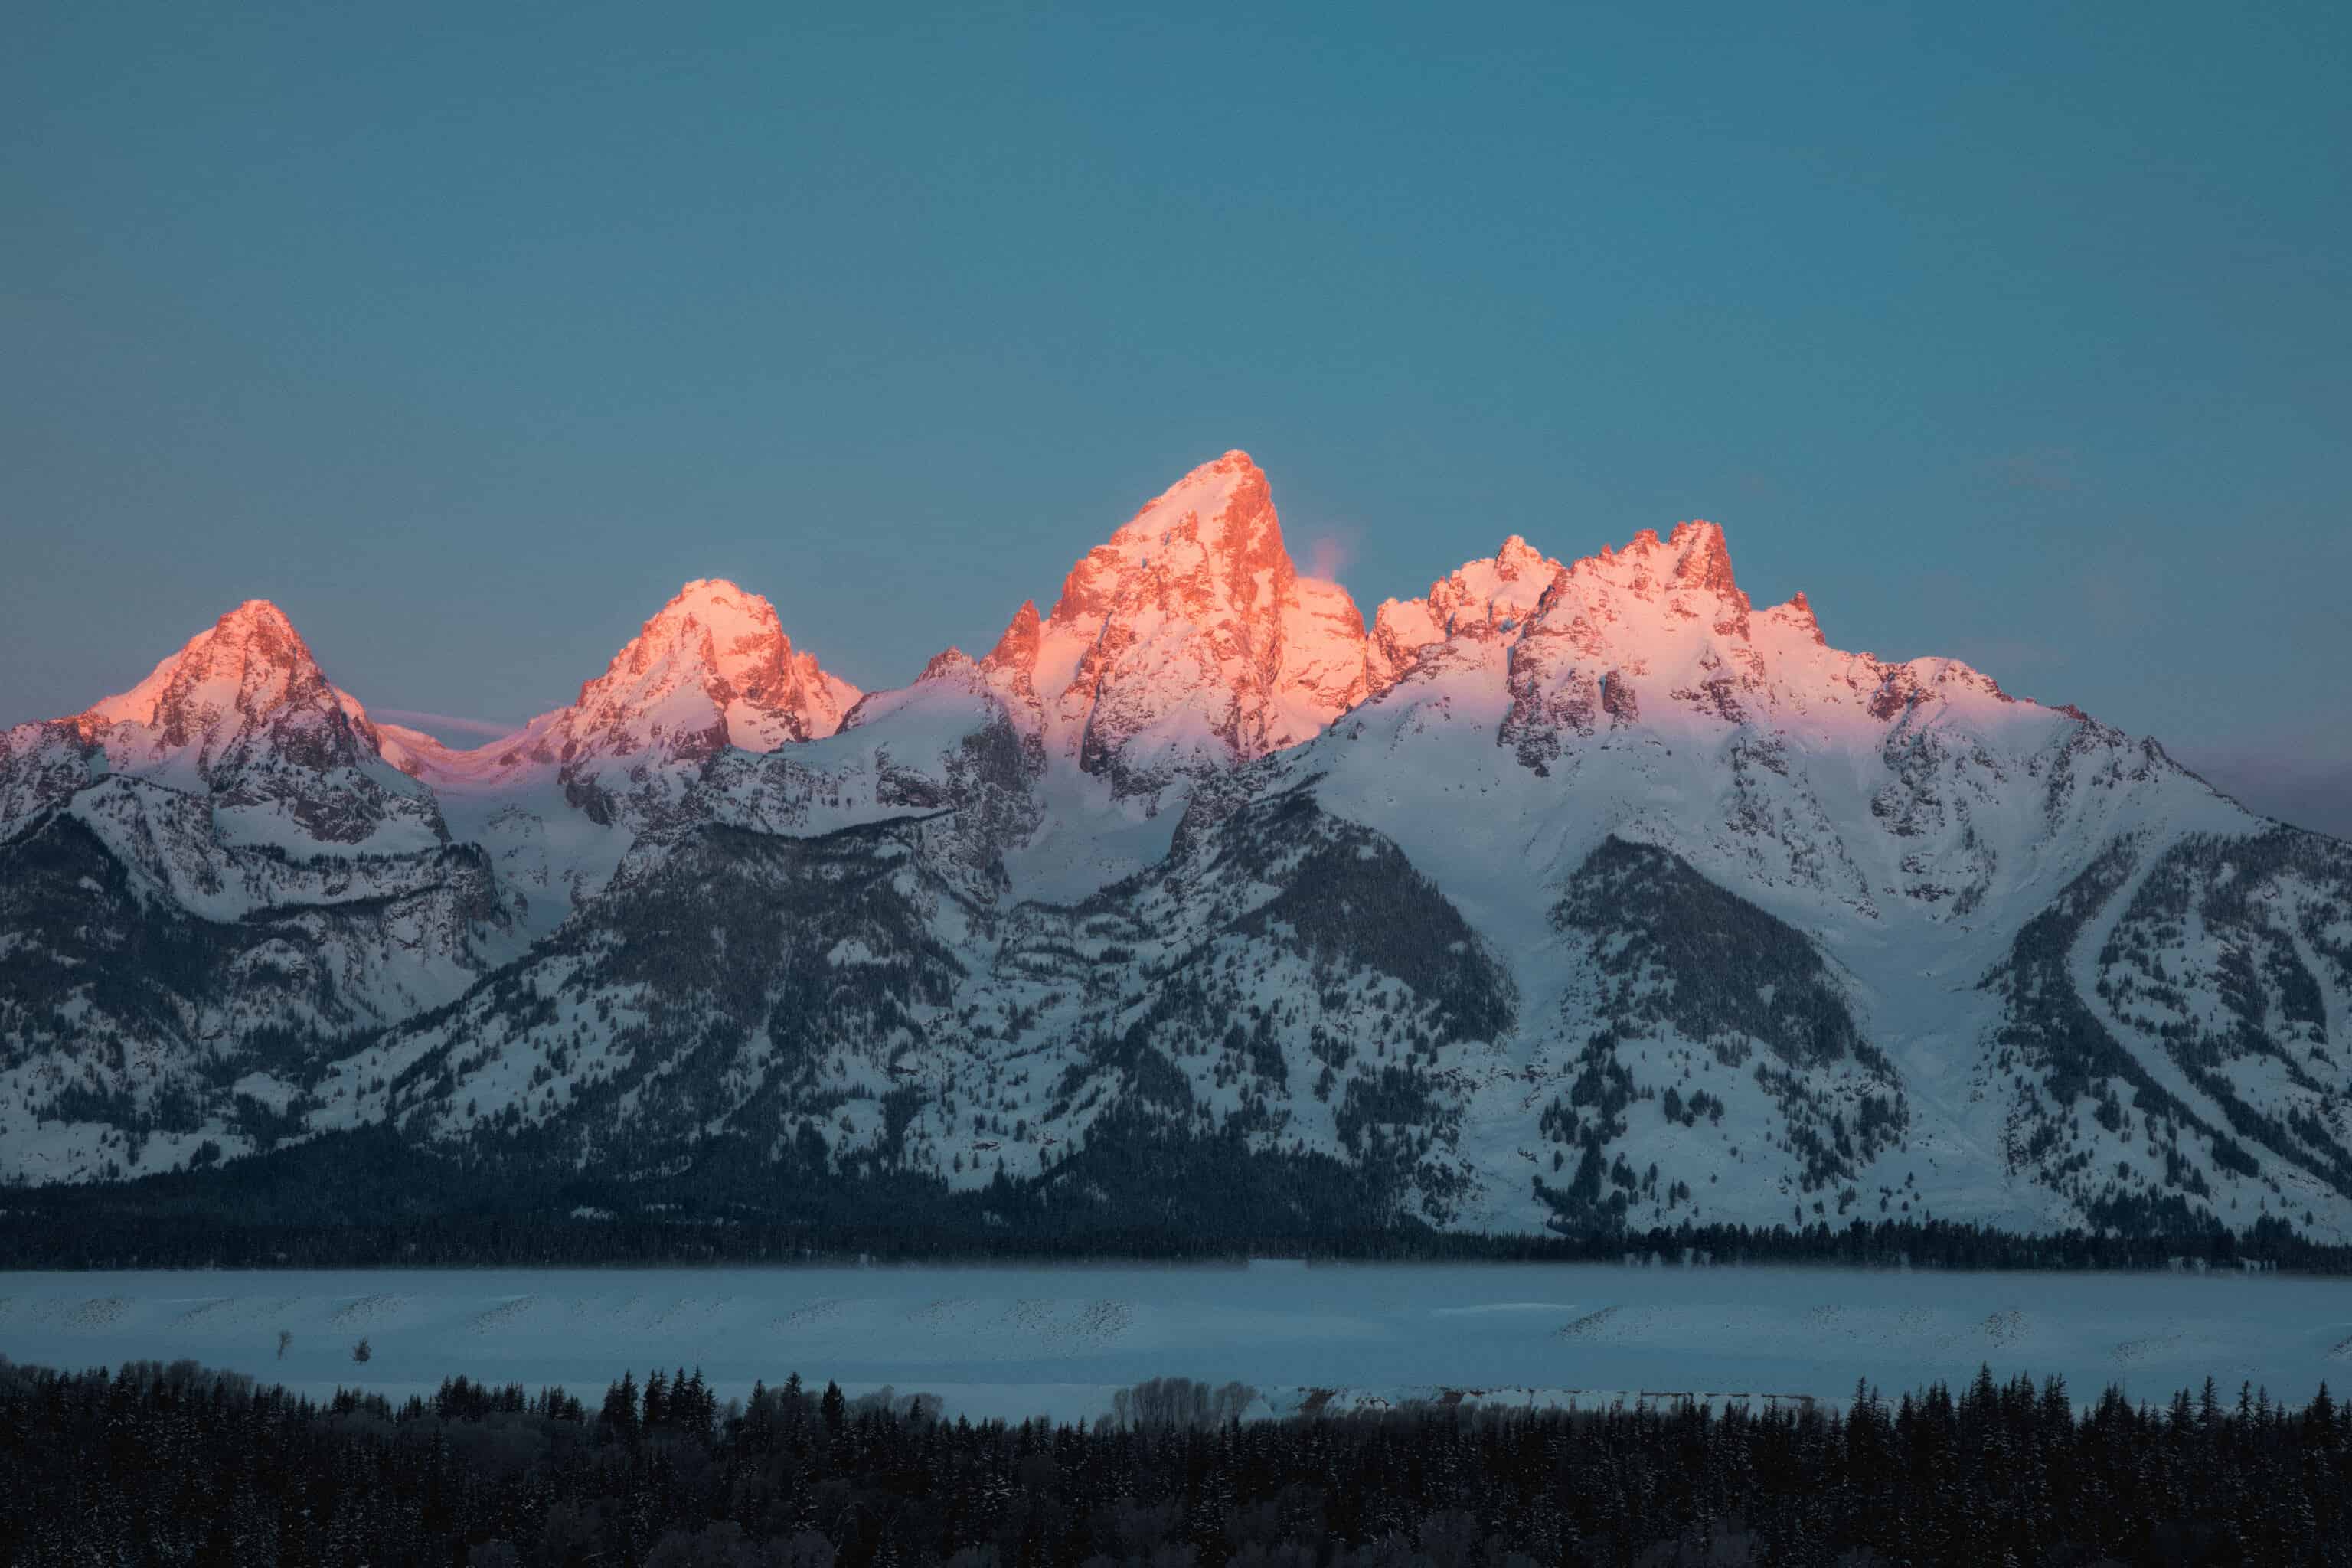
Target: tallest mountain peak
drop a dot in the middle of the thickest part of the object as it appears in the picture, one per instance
(1211, 485)
(1214, 529)
(1228, 488)
(1235, 463)
(1188, 639)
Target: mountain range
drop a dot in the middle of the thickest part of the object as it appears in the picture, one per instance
(1572, 896)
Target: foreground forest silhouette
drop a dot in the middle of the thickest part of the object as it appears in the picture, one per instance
(180, 1464)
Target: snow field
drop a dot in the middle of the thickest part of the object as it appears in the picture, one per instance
(1058, 1340)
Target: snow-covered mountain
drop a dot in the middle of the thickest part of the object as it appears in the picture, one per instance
(1570, 894)
(559, 802)
(1187, 643)
(713, 668)
(208, 882)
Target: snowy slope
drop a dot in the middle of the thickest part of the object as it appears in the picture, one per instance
(1570, 893)
(203, 883)
(1905, 822)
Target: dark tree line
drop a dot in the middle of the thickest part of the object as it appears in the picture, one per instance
(1138, 1190)
(176, 1464)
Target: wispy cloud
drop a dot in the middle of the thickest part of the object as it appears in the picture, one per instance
(1327, 555)
(416, 719)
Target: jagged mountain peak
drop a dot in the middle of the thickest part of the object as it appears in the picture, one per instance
(1703, 559)
(247, 691)
(1798, 616)
(712, 667)
(251, 660)
(236, 737)
(1017, 648)
(1205, 538)
(1508, 593)
(1518, 556)
(1480, 599)
(728, 627)
(260, 625)
(1495, 591)
(1208, 492)
(1658, 632)
(1188, 641)
(1693, 556)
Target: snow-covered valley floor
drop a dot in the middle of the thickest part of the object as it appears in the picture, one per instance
(1056, 1341)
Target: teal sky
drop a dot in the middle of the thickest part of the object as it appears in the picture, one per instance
(2021, 333)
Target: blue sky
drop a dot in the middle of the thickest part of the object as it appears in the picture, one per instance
(2021, 333)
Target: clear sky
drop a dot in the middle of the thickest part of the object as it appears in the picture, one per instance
(2017, 332)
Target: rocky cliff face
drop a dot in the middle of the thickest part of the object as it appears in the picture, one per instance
(1575, 893)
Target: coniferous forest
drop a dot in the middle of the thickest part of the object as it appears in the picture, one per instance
(365, 1198)
(177, 1464)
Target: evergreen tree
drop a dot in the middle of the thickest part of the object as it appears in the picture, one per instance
(620, 1411)
(161, 1463)
(656, 1405)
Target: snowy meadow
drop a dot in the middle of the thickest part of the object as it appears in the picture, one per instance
(1058, 1340)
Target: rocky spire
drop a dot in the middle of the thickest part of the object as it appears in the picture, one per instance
(1189, 639)
(1017, 648)
(1798, 616)
(1703, 561)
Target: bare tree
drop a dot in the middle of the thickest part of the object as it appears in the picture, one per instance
(1180, 1402)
